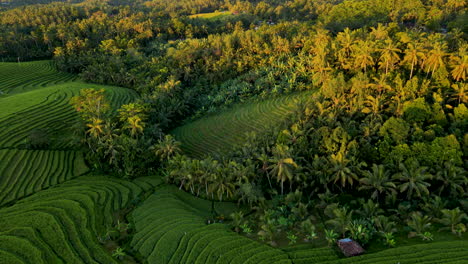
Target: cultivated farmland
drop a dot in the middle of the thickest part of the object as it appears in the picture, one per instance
(49, 111)
(219, 133)
(63, 224)
(170, 228)
(26, 76)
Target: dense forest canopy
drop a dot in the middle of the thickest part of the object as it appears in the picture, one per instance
(379, 146)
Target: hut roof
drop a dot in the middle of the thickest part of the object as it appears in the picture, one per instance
(349, 247)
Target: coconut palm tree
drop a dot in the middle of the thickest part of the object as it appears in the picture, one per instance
(378, 181)
(167, 148)
(414, 54)
(460, 68)
(414, 179)
(96, 127)
(452, 178)
(419, 223)
(135, 125)
(453, 221)
(345, 40)
(389, 55)
(341, 220)
(283, 169)
(435, 58)
(362, 55)
(341, 170)
(460, 93)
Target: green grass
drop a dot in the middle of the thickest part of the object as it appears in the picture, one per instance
(219, 133)
(212, 15)
(25, 76)
(170, 228)
(62, 224)
(24, 172)
(48, 109)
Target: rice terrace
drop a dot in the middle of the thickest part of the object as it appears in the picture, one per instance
(234, 131)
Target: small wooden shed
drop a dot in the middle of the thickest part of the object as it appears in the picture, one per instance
(350, 247)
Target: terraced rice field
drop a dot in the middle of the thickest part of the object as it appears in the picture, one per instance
(219, 133)
(25, 172)
(48, 110)
(453, 252)
(25, 76)
(170, 228)
(62, 224)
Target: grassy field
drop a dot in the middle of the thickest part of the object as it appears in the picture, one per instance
(25, 172)
(170, 228)
(51, 213)
(25, 76)
(48, 110)
(63, 224)
(212, 15)
(219, 133)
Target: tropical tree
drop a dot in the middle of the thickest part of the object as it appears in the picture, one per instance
(341, 169)
(282, 166)
(459, 93)
(135, 125)
(362, 55)
(331, 236)
(345, 40)
(452, 178)
(460, 68)
(418, 223)
(389, 55)
(453, 220)
(414, 179)
(341, 220)
(95, 128)
(378, 181)
(414, 55)
(435, 58)
(167, 148)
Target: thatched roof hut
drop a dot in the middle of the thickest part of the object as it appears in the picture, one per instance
(350, 247)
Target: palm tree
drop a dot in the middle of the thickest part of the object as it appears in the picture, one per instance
(345, 40)
(452, 178)
(363, 55)
(460, 68)
(96, 127)
(453, 219)
(460, 93)
(419, 223)
(435, 58)
(221, 186)
(413, 56)
(389, 55)
(264, 159)
(167, 148)
(341, 169)
(413, 178)
(283, 169)
(135, 125)
(341, 220)
(378, 181)
(373, 105)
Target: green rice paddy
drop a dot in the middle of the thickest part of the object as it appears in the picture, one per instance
(52, 211)
(221, 132)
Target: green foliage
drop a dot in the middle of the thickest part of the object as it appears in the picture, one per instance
(396, 129)
(62, 223)
(330, 236)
